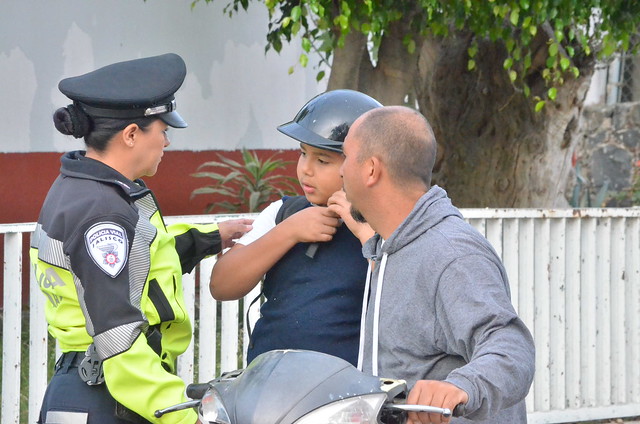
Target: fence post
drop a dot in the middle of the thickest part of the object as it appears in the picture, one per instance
(12, 328)
(38, 349)
(185, 361)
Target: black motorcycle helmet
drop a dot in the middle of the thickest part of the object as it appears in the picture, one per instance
(324, 121)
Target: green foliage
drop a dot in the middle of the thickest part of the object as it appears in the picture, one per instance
(574, 29)
(245, 186)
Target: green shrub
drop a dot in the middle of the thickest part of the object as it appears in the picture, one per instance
(247, 186)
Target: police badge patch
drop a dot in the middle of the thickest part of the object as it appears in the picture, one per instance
(107, 245)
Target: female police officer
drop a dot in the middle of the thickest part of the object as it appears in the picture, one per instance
(110, 269)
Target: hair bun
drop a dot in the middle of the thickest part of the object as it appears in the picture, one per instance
(72, 120)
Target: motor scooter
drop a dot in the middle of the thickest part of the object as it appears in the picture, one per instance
(300, 387)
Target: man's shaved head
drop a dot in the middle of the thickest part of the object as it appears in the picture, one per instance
(402, 138)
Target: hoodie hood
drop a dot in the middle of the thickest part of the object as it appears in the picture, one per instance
(432, 208)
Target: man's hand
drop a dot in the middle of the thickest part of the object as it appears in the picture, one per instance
(339, 204)
(434, 393)
(233, 229)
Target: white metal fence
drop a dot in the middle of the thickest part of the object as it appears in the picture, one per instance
(575, 281)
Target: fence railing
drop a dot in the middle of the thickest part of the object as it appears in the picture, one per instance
(575, 281)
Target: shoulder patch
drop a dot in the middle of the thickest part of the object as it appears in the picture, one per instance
(107, 245)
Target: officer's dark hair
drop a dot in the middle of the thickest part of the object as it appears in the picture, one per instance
(97, 132)
(404, 138)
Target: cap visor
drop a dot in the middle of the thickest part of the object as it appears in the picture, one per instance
(173, 119)
(303, 135)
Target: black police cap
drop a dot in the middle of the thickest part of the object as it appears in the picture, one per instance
(131, 89)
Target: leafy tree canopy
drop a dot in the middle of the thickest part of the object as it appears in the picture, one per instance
(574, 28)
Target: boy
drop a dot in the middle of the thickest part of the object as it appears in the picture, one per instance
(313, 268)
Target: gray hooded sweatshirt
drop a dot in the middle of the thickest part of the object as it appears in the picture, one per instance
(439, 309)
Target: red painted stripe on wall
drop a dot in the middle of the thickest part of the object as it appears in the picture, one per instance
(26, 178)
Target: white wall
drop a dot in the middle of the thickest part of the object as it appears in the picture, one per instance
(234, 95)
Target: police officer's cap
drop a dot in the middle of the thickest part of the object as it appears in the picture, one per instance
(325, 120)
(132, 89)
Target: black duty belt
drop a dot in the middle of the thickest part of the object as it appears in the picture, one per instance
(69, 360)
(87, 363)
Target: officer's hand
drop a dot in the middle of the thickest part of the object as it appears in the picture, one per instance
(339, 204)
(314, 224)
(233, 229)
(434, 393)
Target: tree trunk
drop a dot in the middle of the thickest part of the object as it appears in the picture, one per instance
(391, 82)
(345, 69)
(493, 149)
(496, 150)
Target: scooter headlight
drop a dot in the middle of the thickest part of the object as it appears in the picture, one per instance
(212, 409)
(360, 409)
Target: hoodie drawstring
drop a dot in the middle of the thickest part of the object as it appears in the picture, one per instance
(376, 316)
(363, 316)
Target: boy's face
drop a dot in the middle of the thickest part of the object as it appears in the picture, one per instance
(319, 173)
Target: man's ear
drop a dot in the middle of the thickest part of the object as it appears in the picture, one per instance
(129, 134)
(374, 171)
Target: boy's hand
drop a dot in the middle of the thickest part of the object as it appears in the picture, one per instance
(339, 204)
(233, 229)
(313, 224)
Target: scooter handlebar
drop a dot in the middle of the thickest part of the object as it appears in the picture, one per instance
(179, 407)
(458, 411)
(197, 390)
(445, 412)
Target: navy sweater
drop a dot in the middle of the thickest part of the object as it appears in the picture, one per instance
(314, 303)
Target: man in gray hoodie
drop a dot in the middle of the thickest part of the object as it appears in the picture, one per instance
(438, 312)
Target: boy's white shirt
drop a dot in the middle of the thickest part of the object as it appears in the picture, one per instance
(262, 224)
